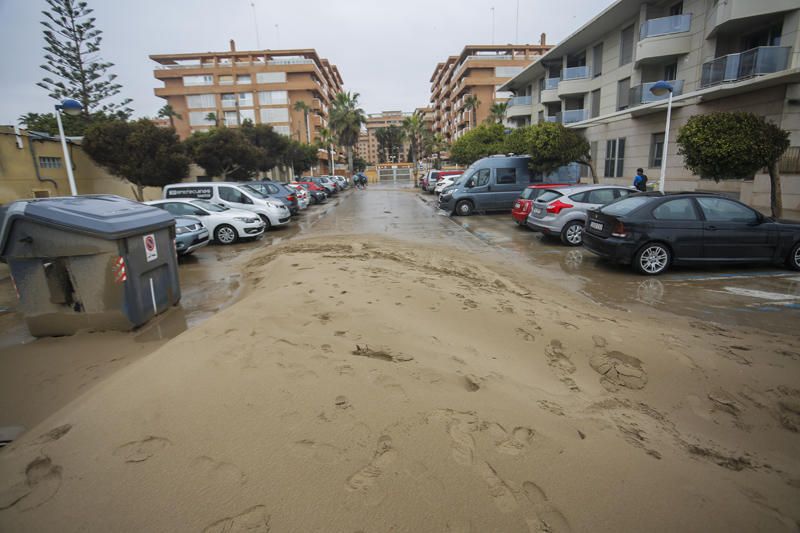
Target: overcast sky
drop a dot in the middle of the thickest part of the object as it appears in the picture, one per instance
(385, 50)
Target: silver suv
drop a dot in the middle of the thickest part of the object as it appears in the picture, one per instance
(562, 211)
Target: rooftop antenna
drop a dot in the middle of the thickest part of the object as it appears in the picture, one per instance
(516, 34)
(493, 25)
(255, 23)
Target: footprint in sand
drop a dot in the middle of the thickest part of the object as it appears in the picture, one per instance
(547, 518)
(516, 443)
(341, 402)
(460, 427)
(252, 520)
(54, 434)
(218, 472)
(526, 335)
(501, 494)
(319, 451)
(561, 364)
(42, 481)
(619, 370)
(365, 481)
(141, 450)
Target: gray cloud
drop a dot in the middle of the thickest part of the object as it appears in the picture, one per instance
(385, 50)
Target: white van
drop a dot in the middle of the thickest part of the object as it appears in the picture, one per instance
(233, 195)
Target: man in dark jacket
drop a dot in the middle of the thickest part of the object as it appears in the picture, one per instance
(640, 180)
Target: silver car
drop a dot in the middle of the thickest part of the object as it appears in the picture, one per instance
(562, 211)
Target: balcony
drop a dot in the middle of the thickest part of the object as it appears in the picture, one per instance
(574, 80)
(551, 83)
(665, 26)
(554, 118)
(731, 14)
(664, 37)
(748, 64)
(641, 93)
(575, 73)
(291, 61)
(550, 91)
(519, 106)
(573, 115)
(520, 100)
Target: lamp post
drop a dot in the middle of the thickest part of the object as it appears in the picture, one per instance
(70, 107)
(660, 88)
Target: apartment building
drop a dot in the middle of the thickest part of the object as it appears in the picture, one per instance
(261, 86)
(731, 55)
(426, 115)
(368, 142)
(478, 71)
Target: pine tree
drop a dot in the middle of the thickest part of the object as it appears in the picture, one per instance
(72, 55)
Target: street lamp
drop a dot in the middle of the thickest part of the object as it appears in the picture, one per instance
(70, 107)
(660, 88)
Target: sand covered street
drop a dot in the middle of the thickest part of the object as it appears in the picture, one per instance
(365, 373)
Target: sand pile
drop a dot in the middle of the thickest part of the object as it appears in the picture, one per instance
(368, 386)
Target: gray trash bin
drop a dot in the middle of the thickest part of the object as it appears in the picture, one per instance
(89, 262)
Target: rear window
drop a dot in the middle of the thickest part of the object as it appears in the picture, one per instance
(549, 195)
(530, 194)
(625, 206)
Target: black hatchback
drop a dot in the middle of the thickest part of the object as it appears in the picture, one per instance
(652, 231)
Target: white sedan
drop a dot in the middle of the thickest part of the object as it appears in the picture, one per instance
(302, 195)
(446, 181)
(225, 224)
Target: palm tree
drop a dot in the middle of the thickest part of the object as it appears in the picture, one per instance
(346, 119)
(471, 103)
(168, 112)
(304, 107)
(497, 113)
(212, 117)
(414, 129)
(327, 139)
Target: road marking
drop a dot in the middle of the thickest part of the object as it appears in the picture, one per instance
(740, 275)
(762, 295)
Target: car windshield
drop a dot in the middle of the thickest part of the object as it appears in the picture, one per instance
(625, 206)
(465, 176)
(208, 206)
(257, 193)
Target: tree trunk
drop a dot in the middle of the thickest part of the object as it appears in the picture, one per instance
(775, 196)
(590, 164)
(350, 159)
(138, 192)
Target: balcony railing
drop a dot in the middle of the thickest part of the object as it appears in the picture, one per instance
(520, 100)
(665, 26)
(575, 73)
(551, 83)
(287, 61)
(753, 62)
(551, 119)
(641, 93)
(573, 115)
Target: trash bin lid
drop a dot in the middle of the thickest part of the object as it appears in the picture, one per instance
(104, 216)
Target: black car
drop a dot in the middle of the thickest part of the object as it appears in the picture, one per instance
(652, 231)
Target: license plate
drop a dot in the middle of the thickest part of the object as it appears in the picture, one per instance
(596, 225)
(538, 211)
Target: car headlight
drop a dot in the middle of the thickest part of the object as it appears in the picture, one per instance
(246, 220)
(275, 206)
(179, 230)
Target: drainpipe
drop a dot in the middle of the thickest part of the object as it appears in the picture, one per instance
(36, 165)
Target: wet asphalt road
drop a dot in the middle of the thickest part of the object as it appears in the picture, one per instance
(762, 297)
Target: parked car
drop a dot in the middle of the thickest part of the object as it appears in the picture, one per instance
(325, 183)
(489, 184)
(653, 231)
(341, 180)
(233, 195)
(278, 191)
(302, 195)
(318, 194)
(446, 181)
(524, 204)
(434, 176)
(562, 211)
(225, 225)
(190, 234)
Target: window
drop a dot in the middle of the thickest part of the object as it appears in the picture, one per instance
(228, 100)
(243, 79)
(273, 97)
(656, 150)
(579, 197)
(595, 103)
(198, 118)
(601, 196)
(626, 205)
(231, 118)
(49, 162)
(597, 60)
(680, 209)
(247, 114)
(205, 79)
(507, 72)
(615, 156)
(179, 209)
(626, 46)
(270, 115)
(623, 94)
(201, 101)
(225, 80)
(482, 177)
(229, 194)
(676, 9)
(246, 99)
(724, 210)
(271, 77)
(506, 176)
(549, 195)
(671, 71)
(283, 130)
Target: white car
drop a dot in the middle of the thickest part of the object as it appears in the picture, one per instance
(226, 225)
(302, 195)
(446, 181)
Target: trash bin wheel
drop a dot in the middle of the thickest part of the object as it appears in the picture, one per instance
(225, 234)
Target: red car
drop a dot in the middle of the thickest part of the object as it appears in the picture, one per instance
(524, 204)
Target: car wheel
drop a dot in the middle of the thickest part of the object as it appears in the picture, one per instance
(572, 234)
(464, 208)
(267, 223)
(652, 259)
(794, 257)
(225, 234)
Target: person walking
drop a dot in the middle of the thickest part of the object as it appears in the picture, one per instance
(640, 180)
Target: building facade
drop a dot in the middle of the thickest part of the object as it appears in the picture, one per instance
(262, 86)
(736, 55)
(477, 71)
(368, 142)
